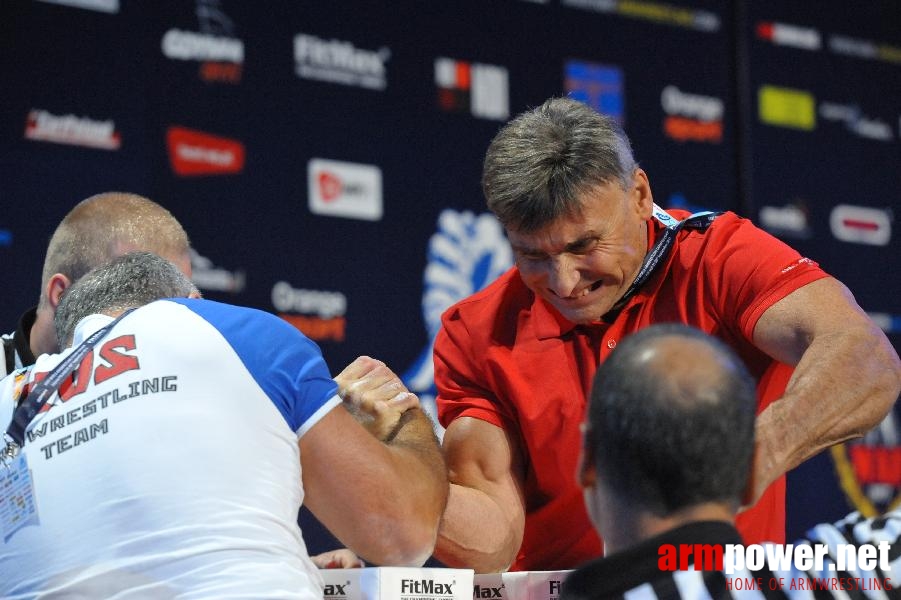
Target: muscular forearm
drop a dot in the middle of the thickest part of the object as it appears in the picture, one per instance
(475, 533)
(843, 385)
(382, 500)
(401, 520)
(419, 479)
(414, 438)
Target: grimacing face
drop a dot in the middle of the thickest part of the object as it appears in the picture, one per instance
(583, 263)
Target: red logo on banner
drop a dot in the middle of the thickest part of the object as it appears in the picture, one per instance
(193, 153)
(869, 472)
(861, 225)
(482, 89)
(329, 186)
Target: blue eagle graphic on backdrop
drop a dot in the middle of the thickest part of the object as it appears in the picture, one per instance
(466, 253)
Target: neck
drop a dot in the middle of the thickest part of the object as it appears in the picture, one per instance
(42, 338)
(630, 525)
(645, 244)
(642, 247)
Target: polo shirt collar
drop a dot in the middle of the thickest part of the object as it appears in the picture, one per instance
(88, 326)
(547, 321)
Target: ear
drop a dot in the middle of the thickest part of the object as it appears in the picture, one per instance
(56, 285)
(641, 194)
(195, 295)
(183, 262)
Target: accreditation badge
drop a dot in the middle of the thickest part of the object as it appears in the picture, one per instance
(18, 508)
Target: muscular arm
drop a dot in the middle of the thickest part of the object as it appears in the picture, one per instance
(483, 523)
(847, 376)
(382, 500)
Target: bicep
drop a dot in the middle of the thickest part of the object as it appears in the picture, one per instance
(482, 456)
(787, 328)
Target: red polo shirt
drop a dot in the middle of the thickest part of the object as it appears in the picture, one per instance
(509, 358)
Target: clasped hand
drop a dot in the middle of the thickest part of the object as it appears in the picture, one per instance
(375, 395)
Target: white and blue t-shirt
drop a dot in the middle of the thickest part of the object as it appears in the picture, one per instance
(169, 466)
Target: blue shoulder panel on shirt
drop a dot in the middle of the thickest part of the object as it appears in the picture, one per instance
(286, 364)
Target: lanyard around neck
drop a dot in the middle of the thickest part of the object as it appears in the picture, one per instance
(41, 393)
(654, 258)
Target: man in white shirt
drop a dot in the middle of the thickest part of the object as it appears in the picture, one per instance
(174, 462)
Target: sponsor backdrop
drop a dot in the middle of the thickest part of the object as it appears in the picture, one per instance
(325, 157)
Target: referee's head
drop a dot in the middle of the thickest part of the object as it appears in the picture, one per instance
(670, 430)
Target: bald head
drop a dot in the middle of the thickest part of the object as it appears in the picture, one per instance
(108, 225)
(689, 370)
(671, 420)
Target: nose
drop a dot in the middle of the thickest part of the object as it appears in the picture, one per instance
(563, 276)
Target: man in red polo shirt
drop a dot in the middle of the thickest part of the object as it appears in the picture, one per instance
(596, 259)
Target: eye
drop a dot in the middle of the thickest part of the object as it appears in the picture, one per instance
(531, 255)
(583, 246)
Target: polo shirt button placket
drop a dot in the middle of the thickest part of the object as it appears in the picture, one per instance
(611, 343)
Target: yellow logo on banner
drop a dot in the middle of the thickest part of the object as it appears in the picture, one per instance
(786, 107)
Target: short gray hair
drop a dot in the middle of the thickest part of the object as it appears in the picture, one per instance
(129, 281)
(541, 163)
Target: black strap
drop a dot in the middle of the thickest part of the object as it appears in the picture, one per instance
(44, 390)
(9, 353)
(699, 221)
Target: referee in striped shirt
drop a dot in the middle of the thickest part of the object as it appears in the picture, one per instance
(666, 460)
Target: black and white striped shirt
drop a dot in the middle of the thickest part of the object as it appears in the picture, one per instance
(634, 573)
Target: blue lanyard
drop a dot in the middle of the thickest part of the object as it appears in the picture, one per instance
(699, 220)
(41, 393)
